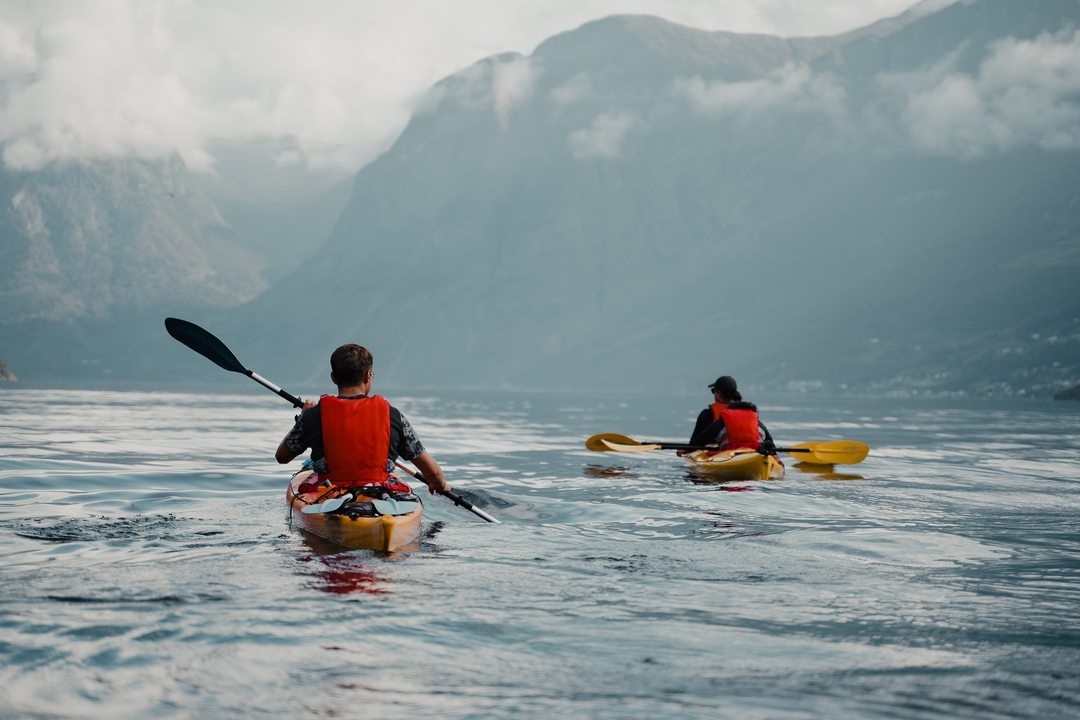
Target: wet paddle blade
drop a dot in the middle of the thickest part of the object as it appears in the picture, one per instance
(596, 442)
(834, 452)
(618, 447)
(204, 343)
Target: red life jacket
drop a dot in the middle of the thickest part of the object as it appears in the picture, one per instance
(741, 429)
(717, 408)
(356, 439)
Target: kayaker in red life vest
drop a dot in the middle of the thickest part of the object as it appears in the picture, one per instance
(729, 422)
(354, 438)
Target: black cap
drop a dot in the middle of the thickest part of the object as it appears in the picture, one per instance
(725, 385)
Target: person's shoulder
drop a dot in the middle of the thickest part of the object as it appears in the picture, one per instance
(741, 405)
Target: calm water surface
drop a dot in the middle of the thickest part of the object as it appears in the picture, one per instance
(148, 569)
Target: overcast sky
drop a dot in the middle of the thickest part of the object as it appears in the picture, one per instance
(116, 78)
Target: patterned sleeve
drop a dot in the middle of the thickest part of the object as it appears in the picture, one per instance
(410, 447)
(294, 441)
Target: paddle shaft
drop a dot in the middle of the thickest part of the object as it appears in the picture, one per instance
(458, 500)
(691, 448)
(274, 388)
(673, 446)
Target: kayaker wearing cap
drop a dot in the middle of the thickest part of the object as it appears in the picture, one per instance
(354, 438)
(729, 422)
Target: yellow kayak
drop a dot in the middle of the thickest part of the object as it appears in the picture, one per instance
(363, 528)
(736, 464)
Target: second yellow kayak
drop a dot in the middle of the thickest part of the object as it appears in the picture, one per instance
(736, 465)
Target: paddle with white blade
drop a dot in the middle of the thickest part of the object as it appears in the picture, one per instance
(833, 452)
(211, 348)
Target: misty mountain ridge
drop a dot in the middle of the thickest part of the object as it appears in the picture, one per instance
(94, 240)
(280, 211)
(640, 195)
(643, 205)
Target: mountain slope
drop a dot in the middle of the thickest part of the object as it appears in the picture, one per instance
(640, 203)
(89, 240)
(93, 255)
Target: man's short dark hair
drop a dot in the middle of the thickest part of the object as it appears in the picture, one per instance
(350, 364)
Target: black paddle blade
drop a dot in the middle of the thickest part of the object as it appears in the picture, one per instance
(204, 343)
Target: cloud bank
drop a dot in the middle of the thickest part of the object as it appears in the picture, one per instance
(512, 85)
(793, 89)
(602, 139)
(1026, 93)
(338, 79)
(336, 82)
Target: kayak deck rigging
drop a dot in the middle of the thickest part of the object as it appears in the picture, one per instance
(369, 521)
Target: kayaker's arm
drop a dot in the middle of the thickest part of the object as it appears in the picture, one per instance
(706, 436)
(709, 434)
(704, 420)
(284, 453)
(433, 474)
(767, 442)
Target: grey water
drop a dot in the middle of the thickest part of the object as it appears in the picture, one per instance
(149, 570)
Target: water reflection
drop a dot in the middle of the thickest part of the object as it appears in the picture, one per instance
(344, 574)
(339, 570)
(599, 472)
(730, 528)
(720, 483)
(825, 472)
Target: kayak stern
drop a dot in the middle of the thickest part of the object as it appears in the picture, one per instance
(736, 465)
(386, 533)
